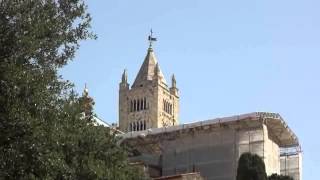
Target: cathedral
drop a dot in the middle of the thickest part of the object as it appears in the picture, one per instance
(208, 149)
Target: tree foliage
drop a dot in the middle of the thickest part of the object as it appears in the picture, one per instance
(251, 167)
(42, 133)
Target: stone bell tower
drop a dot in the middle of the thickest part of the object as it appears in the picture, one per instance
(149, 103)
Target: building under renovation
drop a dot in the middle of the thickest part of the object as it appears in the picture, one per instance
(213, 147)
(148, 114)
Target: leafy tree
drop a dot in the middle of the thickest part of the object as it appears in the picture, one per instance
(279, 177)
(251, 167)
(43, 134)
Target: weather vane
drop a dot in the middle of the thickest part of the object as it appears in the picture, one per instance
(151, 38)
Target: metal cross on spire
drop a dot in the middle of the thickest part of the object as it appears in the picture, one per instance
(151, 38)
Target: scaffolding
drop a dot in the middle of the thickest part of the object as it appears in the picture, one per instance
(291, 162)
(214, 146)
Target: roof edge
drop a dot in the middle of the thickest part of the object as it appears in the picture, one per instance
(271, 120)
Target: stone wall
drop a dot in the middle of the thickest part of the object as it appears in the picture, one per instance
(154, 115)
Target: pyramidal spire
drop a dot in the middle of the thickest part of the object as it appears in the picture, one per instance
(124, 78)
(147, 70)
(85, 90)
(173, 81)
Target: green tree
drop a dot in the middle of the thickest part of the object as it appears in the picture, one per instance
(43, 134)
(251, 167)
(279, 177)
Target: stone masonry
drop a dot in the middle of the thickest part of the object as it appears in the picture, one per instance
(149, 103)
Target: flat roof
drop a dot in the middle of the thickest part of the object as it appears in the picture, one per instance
(280, 131)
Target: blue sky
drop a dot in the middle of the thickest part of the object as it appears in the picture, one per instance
(229, 57)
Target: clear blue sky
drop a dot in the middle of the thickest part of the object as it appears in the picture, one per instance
(229, 57)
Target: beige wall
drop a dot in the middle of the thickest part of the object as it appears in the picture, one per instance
(155, 116)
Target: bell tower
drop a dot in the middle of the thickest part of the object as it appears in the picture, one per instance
(149, 103)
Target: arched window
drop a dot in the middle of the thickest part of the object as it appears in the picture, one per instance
(141, 126)
(134, 126)
(144, 125)
(171, 109)
(138, 105)
(141, 104)
(164, 105)
(134, 105)
(138, 126)
(145, 103)
(130, 127)
(131, 106)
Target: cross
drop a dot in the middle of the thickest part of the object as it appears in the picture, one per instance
(151, 38)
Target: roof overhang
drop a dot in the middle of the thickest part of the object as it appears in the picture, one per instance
(280, 131)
